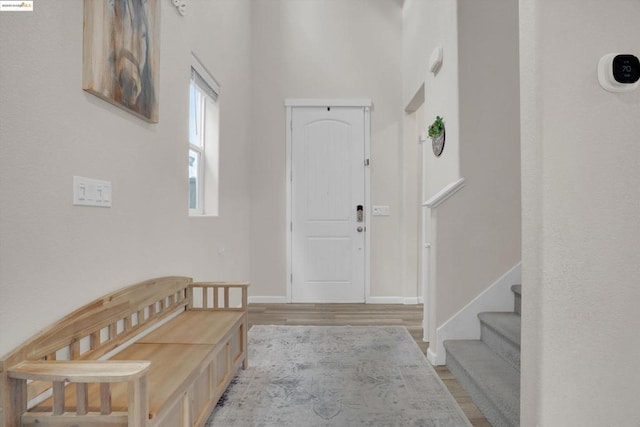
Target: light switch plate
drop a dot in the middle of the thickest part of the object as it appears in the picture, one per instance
(381, 211)
(91, 192)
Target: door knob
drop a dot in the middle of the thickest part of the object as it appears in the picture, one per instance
(360, 229)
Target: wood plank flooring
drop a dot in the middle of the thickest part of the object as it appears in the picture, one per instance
(409, 316)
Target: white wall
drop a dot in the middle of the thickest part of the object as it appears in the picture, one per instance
(415, 41)
(411, 175)
(441, 99)
(441, 93)
(55, 257)
(581, 226)
(411, 203)
(475, 235)
(478, 230)
(324, 49)
(414, 64)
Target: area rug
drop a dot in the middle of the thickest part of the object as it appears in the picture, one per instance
(336, 376)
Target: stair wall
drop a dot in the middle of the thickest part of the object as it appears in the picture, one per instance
(464, 324)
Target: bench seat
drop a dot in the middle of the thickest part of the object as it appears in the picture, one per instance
(195, 327)
(171, 370)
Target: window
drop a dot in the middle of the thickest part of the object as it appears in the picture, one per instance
(203, 141)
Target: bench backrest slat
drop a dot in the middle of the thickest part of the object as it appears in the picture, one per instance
(100, 326)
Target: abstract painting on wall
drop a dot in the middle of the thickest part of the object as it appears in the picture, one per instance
(121, 54)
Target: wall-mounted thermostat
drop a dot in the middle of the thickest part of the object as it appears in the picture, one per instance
(619, 72)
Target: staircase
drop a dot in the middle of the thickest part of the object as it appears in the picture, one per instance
(489, 368)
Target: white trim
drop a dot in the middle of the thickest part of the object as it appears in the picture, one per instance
(365, 103)
(464, 325)
(420, 300)
(312, 102)
(197, 65)
(432, 357)
(411, 301)
(442, 195)
(288, 215)
(426, 272)
(385, 300)
(367, 203)
(267, 300)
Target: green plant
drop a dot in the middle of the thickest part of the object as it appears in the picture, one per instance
(436, 128)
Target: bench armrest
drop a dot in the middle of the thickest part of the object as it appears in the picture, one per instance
(80, 371)
(201, 290)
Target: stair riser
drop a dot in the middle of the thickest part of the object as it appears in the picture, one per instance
(486, 406)
(503, 347)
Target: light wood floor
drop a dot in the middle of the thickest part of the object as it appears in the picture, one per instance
(409, 316)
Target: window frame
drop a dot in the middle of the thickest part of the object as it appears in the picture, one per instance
(209, 91)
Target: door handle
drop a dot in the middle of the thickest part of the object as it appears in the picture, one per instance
(359, 213)
(360, 229)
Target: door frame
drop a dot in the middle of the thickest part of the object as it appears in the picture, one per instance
(366, 104)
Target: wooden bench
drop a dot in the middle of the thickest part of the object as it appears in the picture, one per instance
(159, 353)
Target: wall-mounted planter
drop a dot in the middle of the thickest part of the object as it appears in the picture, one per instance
(437, 143)
(437, 134)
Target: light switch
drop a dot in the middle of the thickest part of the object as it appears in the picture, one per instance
(106, 194)
(91, 192)
(381, 211)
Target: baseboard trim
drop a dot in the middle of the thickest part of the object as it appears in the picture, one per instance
(267, 300)
(464, 325)
(411, 301)
(371, 300)
(432, 357)
(385, 300)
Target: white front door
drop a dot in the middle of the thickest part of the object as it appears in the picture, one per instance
(327, 194)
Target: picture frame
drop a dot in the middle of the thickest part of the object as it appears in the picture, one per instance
(121, 47)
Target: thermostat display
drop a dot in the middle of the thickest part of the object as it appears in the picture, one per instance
(626, 68)
(618, 72)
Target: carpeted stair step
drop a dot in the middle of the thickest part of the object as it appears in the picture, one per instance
(492, 383)
(517, 298)
(501, 332)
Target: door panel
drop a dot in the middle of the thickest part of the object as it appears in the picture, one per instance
(328, 251)
(328, 259)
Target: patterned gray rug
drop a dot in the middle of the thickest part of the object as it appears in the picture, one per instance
(336, 376)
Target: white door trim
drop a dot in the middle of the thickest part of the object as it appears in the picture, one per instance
(366, 104)
(356, 102)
